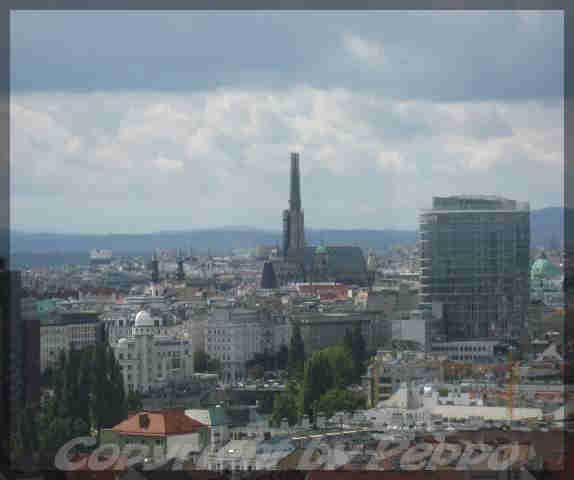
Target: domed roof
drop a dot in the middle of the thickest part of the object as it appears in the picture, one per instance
(143, 319)
(320, 249)
(122, 341)
(544, 268)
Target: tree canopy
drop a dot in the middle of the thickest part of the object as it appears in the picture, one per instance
(296, 354)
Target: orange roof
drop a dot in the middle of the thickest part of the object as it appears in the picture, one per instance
(160, 423)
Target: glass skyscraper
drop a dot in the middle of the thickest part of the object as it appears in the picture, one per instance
(475, 256)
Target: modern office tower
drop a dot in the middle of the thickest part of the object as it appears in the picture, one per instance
(475, 267)
(293, 222)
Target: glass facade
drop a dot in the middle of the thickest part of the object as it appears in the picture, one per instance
(475, 264)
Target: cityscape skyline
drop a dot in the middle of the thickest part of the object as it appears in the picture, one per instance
(384, 109)
(246, 242)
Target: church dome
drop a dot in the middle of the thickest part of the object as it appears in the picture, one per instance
(321, 249)
(143, 319)
(543, 268)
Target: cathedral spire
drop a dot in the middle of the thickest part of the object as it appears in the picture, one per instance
(295, 198)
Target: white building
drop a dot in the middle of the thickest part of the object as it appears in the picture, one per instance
(120, 323)
(467, 350)
(149, 360)
(234, 336)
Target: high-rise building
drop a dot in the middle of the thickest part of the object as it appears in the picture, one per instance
(293, 221)
(475, 267)
(11, 337)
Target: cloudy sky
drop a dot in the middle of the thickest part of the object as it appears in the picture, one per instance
(139, 122)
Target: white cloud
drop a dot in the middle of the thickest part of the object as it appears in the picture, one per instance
(168, 164)
(395, 162)
(73, 145)
(369, 51)
(228, 152)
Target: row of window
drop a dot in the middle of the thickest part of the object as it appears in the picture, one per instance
(463, 348)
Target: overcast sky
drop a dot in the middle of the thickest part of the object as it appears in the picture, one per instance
(139, 122)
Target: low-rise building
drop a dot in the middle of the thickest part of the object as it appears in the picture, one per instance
(469, 351)
(70, 330)
(235, 335)
(163, 433)
(217, 421)
(324, 329)
(388, 370)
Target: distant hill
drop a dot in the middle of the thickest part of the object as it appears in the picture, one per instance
(216, 240)
(547, 228)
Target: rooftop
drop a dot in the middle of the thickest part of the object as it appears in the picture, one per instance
(158, 423)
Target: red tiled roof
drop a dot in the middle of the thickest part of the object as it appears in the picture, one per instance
(161, 423)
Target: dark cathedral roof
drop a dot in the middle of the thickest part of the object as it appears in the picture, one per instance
(268, 278)
(343, 262)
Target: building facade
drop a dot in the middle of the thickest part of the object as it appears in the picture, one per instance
(235, 335)
(484, 351)
(322, 330)
(163, 433)
(71, 331)
(475, 267)
(149, 361)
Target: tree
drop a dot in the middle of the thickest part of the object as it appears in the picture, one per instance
(337, 400)
(257, 372)
(285, 406)
(134, 401)
(282, 357)
(26, 434)
(317, 379)
(84, 386)
(340, 364)
(59, 431)
(202, 362)
(359, 351)
(108, 405)
(348, 341)
(296, 355)
(117, 401)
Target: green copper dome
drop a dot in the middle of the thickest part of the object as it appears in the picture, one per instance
(544, 268)
(320, 249)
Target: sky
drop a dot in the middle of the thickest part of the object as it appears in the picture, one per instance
(133, 122)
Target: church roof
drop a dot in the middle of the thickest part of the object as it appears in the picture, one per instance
(342, 259)
(544, 268)
(268, 278)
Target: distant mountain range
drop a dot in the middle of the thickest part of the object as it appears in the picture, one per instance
(218, 241)
(547, 229)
